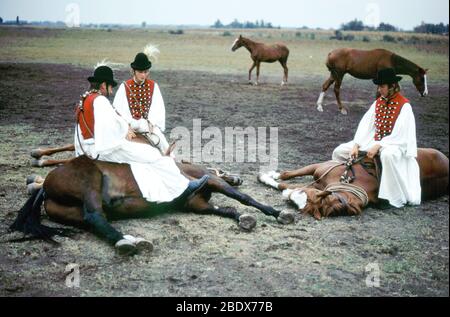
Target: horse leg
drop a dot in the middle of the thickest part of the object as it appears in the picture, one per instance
(304, 171)
(35, 179)
(325, 87)
(38, 153)
(220, 186)
(250, 72)
(90, 214)
(33, 187)
(285, 77)
(337, 92)
(258, 66)
(43, 163)
(93, 215)
(271, 178)
(200, 206)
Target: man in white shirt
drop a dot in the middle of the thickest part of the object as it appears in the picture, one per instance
(140, 102)
(102, 133)
(388, 128)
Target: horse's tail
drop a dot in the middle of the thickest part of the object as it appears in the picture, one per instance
(28, 220)
(329, 63)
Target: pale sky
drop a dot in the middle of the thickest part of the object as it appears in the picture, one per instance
(288, 13)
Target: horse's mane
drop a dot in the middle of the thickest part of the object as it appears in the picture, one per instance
(402, 64)
(319, 207)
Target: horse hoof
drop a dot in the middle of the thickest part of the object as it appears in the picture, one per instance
(144, 245)
(286, 217)
(236, 180)
(320, 108)
(37, 154)
(37, 163)
(247, 222)
(344, 112)
(140, 243)
(31, 179)
(125, 247)
(32, 188)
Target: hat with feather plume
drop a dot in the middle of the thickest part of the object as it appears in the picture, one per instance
(142, 60)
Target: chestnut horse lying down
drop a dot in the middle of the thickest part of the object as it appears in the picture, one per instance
(329, 196)
(85, 193)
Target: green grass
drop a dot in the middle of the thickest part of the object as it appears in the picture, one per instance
(206, 49)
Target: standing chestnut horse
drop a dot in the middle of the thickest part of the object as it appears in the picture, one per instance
(260, 52)
(365, 65)
(85, 193)
(328, 196)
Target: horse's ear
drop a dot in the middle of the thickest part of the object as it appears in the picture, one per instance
(317, 214)
(423, 71)
(240, 36)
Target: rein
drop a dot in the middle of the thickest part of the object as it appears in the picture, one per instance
(345, 181)
(349, 188)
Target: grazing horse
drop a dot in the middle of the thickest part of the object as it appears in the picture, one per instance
(86, 193)
(327, 195)
(365, 65)
(260, 52)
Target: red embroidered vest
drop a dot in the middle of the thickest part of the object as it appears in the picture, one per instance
(139, 97)
(386, 114)
(85, 116)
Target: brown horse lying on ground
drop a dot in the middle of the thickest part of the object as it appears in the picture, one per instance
(85, 193)
(260, 52)
(365, 65)
(328, 196)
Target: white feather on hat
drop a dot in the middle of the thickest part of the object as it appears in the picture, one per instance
(151, 51)
(113, 66)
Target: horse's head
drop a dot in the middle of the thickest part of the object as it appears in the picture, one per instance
(327, 204)
(420, 81)
(239, 42)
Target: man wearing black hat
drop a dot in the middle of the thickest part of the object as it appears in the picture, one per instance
(140, 102)
(102, 133)
(388, 128)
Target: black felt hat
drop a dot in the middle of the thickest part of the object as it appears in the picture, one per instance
(103, 74)
(141, 62)
(386, 76)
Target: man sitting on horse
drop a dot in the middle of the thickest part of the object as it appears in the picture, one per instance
(102, 133)
(140, 102)
(388, 129)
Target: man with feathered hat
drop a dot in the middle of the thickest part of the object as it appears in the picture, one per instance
(102, 133)
(388, 128)
(140, 102)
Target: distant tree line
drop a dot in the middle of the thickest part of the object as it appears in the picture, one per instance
(357, 25)
(432, 28)
(243, 25)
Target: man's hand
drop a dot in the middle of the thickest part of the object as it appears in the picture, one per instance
(354, 152)
(373, 151)
(130, 134)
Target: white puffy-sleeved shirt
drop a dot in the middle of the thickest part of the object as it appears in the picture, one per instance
(158, 177)
(403, 135)
(156, 115)
(400, 179)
